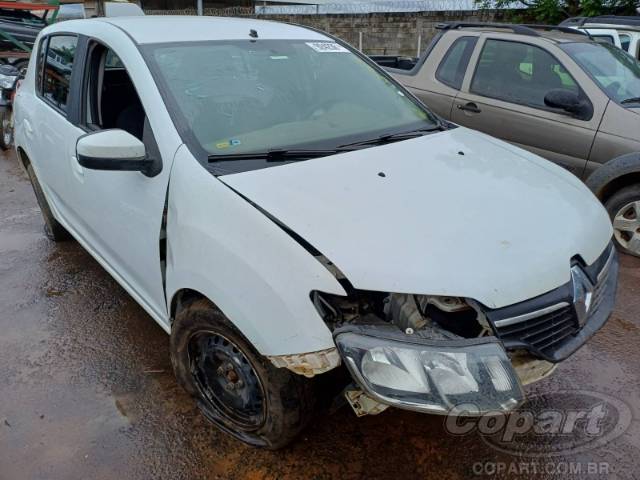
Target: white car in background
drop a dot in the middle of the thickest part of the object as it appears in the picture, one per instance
(282, 207)
(621, 31)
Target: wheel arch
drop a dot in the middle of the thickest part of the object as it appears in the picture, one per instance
(183, 297)
(617, 173)
(24, 159)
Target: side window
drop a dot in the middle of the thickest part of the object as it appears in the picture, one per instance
(112, 100)
(454, 64)
(42, 49)
(519, 73)
(58, 65)
(625, 41)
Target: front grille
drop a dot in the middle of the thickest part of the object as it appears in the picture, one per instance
(544, 333)
(548, 325)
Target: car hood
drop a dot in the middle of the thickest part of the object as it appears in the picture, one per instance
(453, 213)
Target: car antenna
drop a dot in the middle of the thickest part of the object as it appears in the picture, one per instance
(253, 33)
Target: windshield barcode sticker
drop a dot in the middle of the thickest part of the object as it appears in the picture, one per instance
(327, 47)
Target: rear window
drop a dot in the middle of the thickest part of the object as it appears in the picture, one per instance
(454, 64)
(58, 64)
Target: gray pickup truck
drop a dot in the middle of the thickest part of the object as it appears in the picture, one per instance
(550, 90)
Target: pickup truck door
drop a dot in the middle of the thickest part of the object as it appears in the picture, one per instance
(503, 96)
(438, 76)
(119, 214)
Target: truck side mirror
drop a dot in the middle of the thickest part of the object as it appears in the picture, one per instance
(570, 102)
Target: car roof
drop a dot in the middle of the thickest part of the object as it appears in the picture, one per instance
(165, 28)
(549, 32)
(150, 29)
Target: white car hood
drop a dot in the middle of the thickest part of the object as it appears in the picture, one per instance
(492, 223)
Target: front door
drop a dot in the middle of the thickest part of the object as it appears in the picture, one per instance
(504, 97)
(120, 213)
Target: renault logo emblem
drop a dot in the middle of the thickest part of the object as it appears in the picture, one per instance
(582, 294)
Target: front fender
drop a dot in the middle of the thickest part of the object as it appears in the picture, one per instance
(615, 174)
(223, 247)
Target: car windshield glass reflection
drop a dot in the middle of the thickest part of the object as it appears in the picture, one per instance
(242, 96)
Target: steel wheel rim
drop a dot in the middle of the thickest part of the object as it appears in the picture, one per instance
(626, 226)
(226, 379)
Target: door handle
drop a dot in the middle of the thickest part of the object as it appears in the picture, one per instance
(469, 107)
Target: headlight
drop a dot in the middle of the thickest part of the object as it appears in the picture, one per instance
(6, 81)
(429, 376)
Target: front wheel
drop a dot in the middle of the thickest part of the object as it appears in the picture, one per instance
(624, 210)
(236, 388)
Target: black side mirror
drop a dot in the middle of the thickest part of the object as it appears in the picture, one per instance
(570, 102)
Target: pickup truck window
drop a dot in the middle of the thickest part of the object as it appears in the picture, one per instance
(243, 97)
(519, 73)
(57, 70)
(454, 64)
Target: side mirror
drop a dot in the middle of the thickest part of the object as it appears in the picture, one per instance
(569, 102)
(113, 150)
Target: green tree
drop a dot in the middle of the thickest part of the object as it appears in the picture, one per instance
(554, 11)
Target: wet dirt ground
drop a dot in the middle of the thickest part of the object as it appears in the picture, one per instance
(87, 391)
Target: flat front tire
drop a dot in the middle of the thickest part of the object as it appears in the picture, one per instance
(52, 228)
(235, 387)
(624, 210)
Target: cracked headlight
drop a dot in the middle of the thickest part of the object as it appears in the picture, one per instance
(435, 377)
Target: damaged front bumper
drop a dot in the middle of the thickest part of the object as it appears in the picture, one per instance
(419, 372)
(429, 376)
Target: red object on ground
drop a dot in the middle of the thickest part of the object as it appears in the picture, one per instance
(27, 6)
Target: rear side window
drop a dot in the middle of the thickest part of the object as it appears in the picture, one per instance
(58, 64)
(519, 73)
(454, 64)
(625, 41)
(41, 52)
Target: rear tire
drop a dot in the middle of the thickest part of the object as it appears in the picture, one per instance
(6, 128)
(236, 388)
(624, 210)
(52, 228)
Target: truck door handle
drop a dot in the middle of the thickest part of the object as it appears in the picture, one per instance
(469, 107)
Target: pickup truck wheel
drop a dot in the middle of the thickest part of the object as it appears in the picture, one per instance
(624, 209)
(52, 228)
(236, 388)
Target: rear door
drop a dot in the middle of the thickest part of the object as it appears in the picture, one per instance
(53, 121)
(503, 96)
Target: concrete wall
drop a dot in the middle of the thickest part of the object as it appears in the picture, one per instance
(401, 33)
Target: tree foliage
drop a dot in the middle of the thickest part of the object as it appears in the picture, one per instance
(554, 11)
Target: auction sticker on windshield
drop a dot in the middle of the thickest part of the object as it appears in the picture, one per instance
(327, 47)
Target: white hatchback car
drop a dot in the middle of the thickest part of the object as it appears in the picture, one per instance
(283, 207)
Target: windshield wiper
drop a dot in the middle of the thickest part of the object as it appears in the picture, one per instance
(393, 137)
(631, 100)
(275, 155)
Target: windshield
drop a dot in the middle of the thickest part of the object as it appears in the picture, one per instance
(617, 72)
(236, 97)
